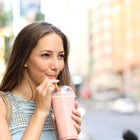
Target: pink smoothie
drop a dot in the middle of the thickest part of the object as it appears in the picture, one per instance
(62, 106)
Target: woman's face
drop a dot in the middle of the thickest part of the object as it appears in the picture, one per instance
(46, 59)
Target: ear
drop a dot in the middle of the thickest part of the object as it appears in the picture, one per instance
(25, 65)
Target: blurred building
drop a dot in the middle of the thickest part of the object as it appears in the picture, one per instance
(4, 35)
(104, 37)
(115, 28)
(66, 16)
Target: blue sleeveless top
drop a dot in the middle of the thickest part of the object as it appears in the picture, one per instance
(22, 113)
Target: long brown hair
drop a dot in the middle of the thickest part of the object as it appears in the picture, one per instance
(24, 43)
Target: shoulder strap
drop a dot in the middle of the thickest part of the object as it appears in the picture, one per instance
(8, 106)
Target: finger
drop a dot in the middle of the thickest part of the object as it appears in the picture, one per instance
(78, 128)
(53, 118)
(45, 87)
(76, 112)
(77, 117)
(54, 81)
(42, 85)
(49, 87)
(76, 104)
(47, 84)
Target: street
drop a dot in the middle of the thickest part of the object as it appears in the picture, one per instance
(106, 125)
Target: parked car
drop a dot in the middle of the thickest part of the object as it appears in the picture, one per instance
(124, 105)
(139, 107)
(106, 95)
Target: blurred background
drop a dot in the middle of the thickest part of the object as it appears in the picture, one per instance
(104, 57)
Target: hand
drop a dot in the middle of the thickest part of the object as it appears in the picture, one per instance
(76, 116)
(43, 96)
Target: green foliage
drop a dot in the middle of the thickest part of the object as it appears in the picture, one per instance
(5, 18)
(40, 16)
(7, 48)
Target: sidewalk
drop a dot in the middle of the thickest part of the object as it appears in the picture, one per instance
(84, 135)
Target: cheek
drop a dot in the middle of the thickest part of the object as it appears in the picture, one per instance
(38, 64)
(61, 67)
(37, 69)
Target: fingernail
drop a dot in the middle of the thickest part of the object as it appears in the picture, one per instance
(51, 88)
(57, 80)
(38, 87)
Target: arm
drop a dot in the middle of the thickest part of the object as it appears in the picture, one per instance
(43, 104)
(4, 128)
(34, 129)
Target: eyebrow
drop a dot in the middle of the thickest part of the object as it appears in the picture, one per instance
(51, 51)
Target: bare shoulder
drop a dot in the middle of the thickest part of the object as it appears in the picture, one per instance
(2, 107)
(4, 128)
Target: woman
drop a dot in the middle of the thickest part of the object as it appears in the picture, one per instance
(38, 61)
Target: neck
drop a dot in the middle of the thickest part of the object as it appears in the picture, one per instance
(25, 90)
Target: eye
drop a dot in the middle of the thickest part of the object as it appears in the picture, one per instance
(61, 56)
(45, 55)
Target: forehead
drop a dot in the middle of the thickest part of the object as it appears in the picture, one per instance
(51, 40)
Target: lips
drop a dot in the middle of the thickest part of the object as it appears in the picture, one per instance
(52, 76)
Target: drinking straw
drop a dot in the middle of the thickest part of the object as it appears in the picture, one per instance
(57, 87)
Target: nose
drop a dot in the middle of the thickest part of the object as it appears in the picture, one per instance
(54, 64)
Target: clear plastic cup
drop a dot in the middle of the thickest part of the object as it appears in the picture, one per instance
(62, 104)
